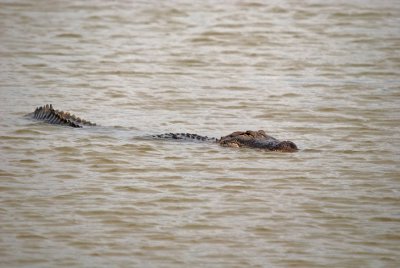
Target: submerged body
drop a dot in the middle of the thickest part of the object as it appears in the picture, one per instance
(251, 139)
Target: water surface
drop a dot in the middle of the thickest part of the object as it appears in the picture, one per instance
(324, 74)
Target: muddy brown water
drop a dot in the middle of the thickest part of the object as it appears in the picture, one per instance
(324, 74)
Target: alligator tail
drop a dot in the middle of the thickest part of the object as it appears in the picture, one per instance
(47, 114)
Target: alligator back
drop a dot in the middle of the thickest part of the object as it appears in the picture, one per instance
(47, 114)
(184, 136)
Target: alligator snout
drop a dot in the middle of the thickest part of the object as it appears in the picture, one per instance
(287, 146)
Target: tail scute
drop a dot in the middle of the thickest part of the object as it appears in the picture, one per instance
(47, 114)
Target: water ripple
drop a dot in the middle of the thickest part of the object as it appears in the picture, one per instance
(323, 74)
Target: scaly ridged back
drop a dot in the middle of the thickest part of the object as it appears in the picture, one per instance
(184, 136)
(47, 114)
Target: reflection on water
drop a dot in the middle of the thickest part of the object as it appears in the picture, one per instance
(324, 74)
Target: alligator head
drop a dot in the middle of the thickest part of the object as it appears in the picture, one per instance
(256, 139)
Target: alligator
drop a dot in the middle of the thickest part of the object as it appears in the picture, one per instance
(251, 139)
